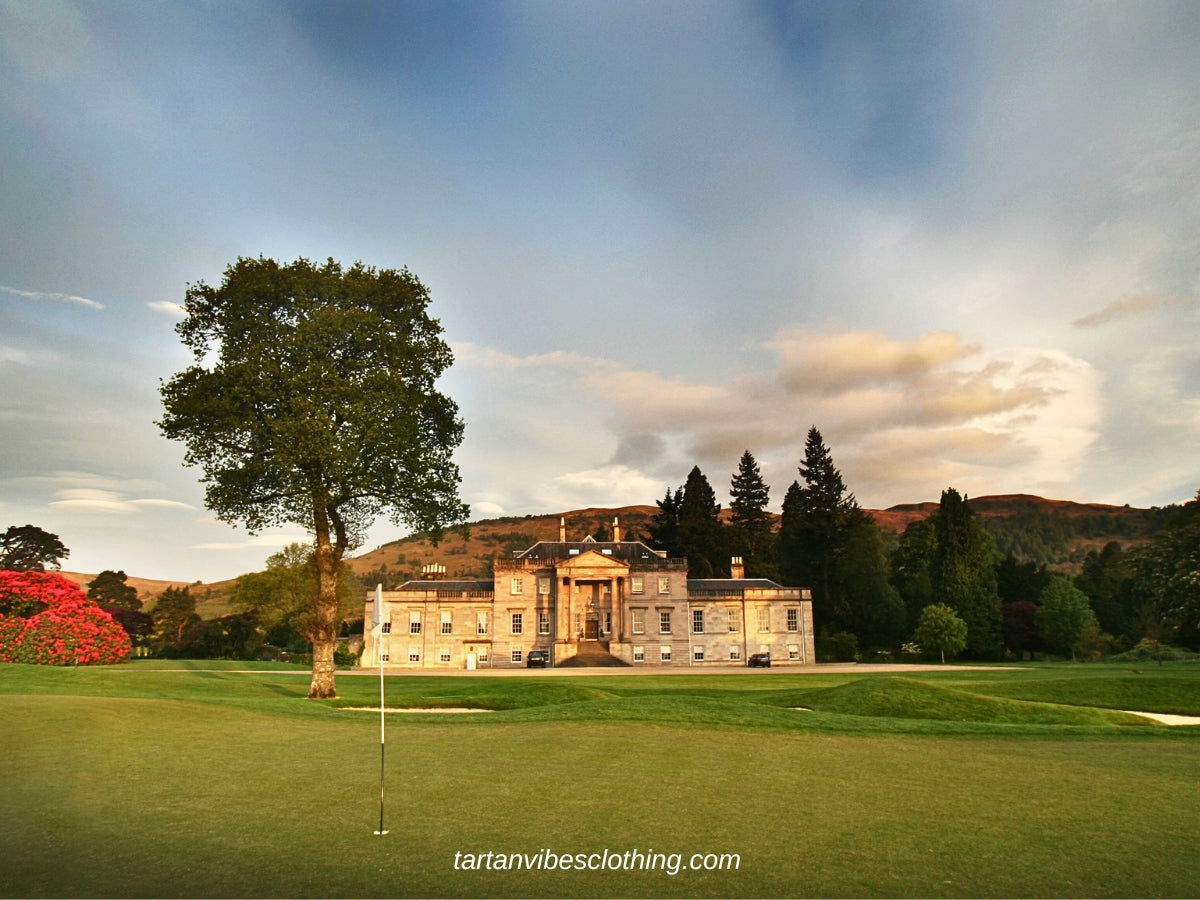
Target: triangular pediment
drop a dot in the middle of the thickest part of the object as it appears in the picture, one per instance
(595, 562)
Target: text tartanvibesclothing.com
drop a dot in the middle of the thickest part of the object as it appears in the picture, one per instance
(598, 861)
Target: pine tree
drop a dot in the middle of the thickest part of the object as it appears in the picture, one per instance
(701, 534)
(753, 532)
(819, 516)
(663, 528)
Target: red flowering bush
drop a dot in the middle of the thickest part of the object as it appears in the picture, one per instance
(48, 620)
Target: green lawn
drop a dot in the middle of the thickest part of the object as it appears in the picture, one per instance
(196, 780)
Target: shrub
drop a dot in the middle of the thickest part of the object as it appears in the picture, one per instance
(45, 619)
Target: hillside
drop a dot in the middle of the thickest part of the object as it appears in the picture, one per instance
(212, 600)
(471, 556)
(1054, 532)
(1032, 528)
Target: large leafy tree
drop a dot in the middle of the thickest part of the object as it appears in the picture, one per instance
(27, 548)
(1105, 577)
(174, 611)
(109, 588)
(1063, 614)
(1167, 578)
(753, 526)
(941, 630)
(864, 600)
(313, 401)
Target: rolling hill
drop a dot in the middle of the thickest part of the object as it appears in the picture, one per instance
(1049, 531)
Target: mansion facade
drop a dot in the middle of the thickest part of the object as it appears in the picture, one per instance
(586, 601)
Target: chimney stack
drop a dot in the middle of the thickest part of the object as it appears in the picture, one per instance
(433, 571)
(562, 529)
(736, 568)
(616, 530)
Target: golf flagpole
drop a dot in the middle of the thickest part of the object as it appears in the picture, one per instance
(377, 631)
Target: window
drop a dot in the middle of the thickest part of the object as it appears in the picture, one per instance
(414, 622)
(664, 584)
(764, 619)
(664, 653)
(517, 586)
(639, 653)
(735, 654)
(543, 623)
(608, 623)
(447, 622)
(664, 622)
(698, 654)
(385, 656)
(793, 651)
(793, 619)
(444, 654)
(481, 623)
(637, 584)
(515, 656)
(517, 625)
(543, 584)
(483, 656)
(735, 619)
(639, 621)
(387, 627)
(697, 621)
(414, 654)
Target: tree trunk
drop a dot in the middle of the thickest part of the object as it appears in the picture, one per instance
(323, 631)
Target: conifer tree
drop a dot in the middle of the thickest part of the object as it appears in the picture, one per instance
(818, 517)
(753, 531)
(701, 534)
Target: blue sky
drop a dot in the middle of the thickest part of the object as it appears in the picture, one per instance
(962, 239)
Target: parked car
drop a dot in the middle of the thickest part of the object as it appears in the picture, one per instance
(760, 661)
(536, 659)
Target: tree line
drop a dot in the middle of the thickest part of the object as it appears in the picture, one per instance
(945, 585)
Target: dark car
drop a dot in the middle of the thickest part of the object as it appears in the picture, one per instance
(760, 661)
(536, 659)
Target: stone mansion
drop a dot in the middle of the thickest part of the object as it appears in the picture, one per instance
(591, 603)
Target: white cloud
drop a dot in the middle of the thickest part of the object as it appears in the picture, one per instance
(52, 295)
(13, 355)
(167, 307)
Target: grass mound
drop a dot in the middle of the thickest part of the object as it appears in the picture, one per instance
(1143, 690)
(907, 698)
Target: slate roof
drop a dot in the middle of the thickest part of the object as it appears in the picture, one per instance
(458, 586)
(626, 551)
(729, 584)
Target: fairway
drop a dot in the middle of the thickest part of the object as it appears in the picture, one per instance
(194, 780)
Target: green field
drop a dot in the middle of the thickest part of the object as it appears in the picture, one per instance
(200, 780)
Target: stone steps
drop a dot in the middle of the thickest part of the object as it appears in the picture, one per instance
(592, 654)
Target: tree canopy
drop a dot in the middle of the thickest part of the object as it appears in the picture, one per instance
(313, 401)
(109, 588)
(753, 526)
(941, 630)
(27, 548)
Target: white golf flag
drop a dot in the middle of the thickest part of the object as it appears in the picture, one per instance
(377, 611)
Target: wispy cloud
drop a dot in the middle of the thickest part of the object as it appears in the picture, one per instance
(1125, 308)
(51, 295)
(167, 307)
(101, 501)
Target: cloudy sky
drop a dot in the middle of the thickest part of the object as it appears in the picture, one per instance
(962, 239)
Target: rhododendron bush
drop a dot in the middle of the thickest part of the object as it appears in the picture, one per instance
(48, 619)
